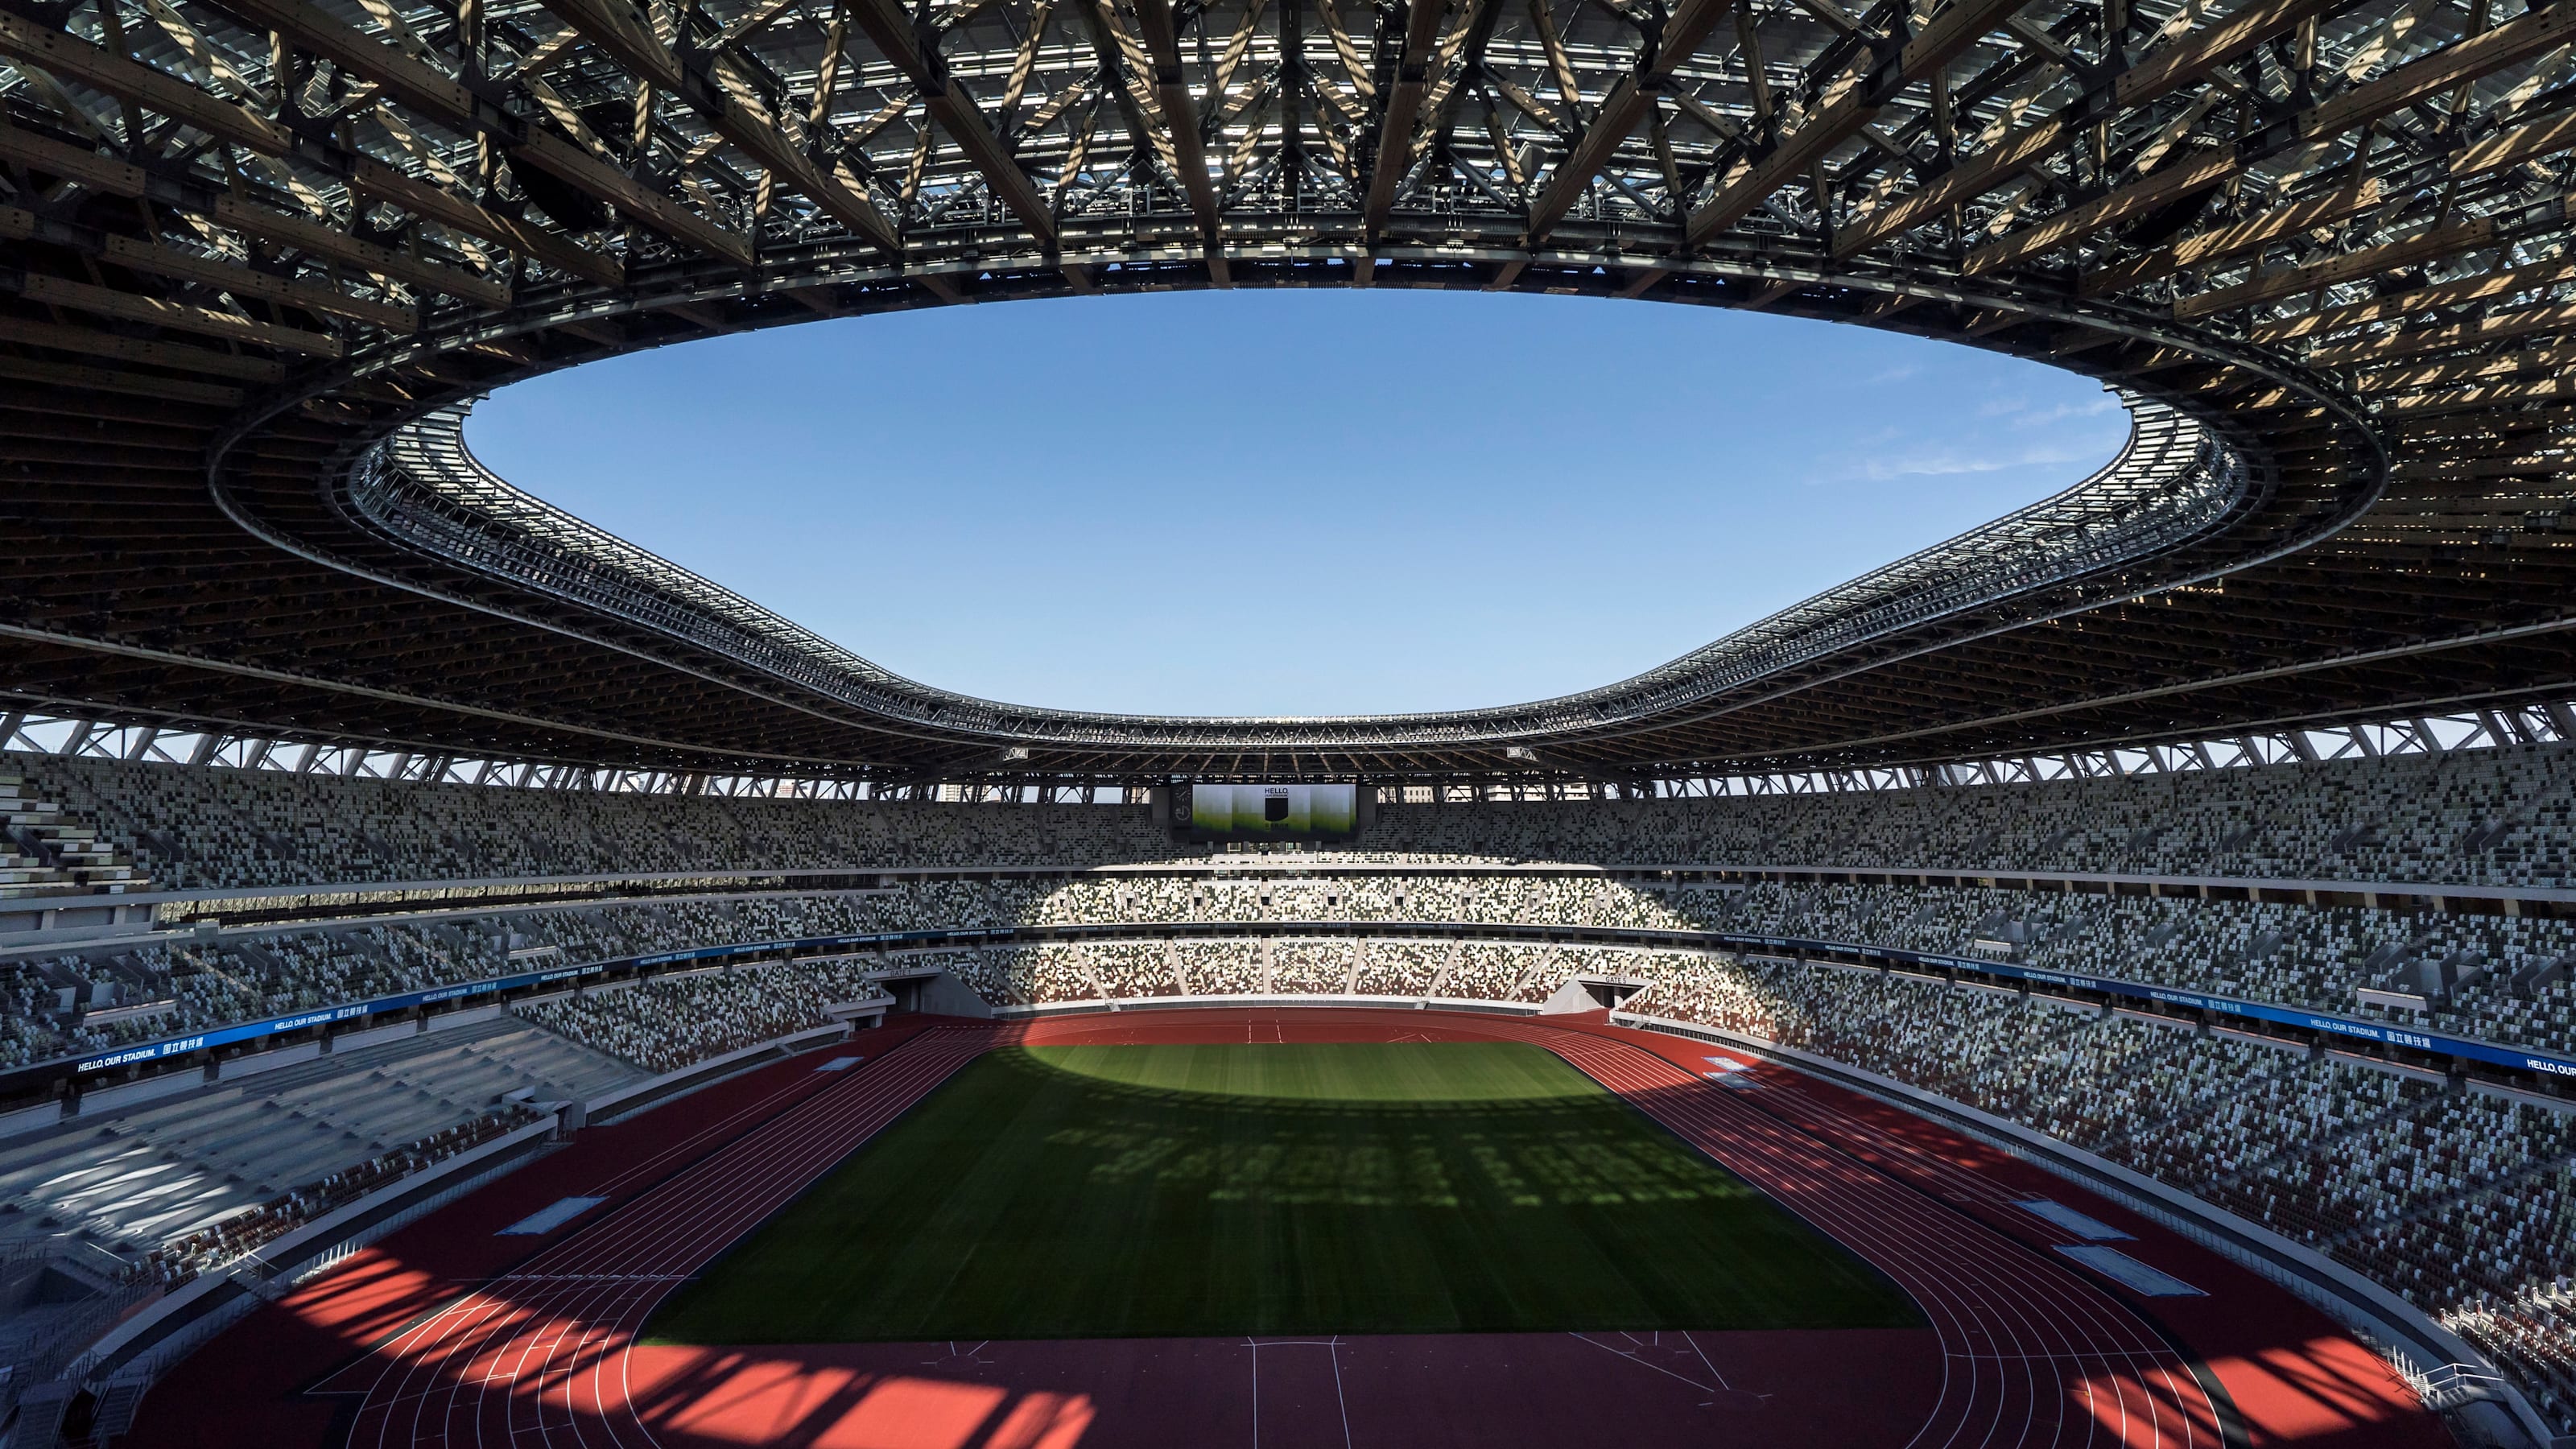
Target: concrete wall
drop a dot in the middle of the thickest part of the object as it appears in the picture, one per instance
(349, 1041)
(30, 1119)
(258, 1062)
(110, 1098)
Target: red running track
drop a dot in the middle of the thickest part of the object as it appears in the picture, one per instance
(2030, 1350)
(2032, 1353)
(539, 1355)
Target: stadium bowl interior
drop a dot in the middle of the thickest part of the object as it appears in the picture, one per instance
(2104, 977)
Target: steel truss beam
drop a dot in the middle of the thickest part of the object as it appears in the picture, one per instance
(249, 242)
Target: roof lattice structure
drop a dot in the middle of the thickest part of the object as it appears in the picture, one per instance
(257, 248)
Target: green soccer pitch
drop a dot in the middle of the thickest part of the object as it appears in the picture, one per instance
(1117, 1191)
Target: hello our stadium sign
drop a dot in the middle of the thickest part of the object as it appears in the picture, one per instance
(2430, 1043)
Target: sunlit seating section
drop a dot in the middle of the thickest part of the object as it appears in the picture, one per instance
(667, 1023)
(2503, 978)
(1398, 968)
(2492, 816)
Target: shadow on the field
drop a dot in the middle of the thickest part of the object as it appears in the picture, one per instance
(1582, 1146)
(1025, 1201)
(1497, 1163)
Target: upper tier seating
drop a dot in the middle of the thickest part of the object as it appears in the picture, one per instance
(2498, 817)
(2502, 817)
(45, 851)
(195, 828)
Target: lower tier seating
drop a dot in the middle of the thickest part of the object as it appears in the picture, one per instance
(665, 1024)
(2499, 978)
(188, 1182)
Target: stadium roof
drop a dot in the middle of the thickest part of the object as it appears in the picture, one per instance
(262, 249)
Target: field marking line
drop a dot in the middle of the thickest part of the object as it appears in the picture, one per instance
(1863, 1136)
(1338, 1396)
(450, 1334)
(2077, 1308)
(547, 1323)
(2024, 1308)
(784, 1156)
(1975, 1294)
(1703, 1358)
(2064, 1357)
(1639, 1362)
(795, 1159)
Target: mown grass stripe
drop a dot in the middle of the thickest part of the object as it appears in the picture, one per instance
(1096, 1192)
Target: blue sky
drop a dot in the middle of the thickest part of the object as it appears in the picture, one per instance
(1293, 502)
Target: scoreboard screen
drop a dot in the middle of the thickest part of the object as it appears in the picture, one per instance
(1268, 812)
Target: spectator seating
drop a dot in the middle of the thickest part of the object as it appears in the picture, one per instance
(45, 851)
(183, 1182)
(2497, 817)
(2496, 977)
(666, 1023)
(2503, 817)
(2458, 1199)
(192, 827)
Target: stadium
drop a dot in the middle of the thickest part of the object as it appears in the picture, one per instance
(2100, 979)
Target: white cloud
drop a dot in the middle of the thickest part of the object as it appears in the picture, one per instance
(1948, 463)
(2017, 407)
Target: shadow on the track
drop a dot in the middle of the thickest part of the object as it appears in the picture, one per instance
(1256, 1155)
(1197, 1197)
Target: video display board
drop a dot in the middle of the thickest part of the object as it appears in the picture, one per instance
(1269, 812)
